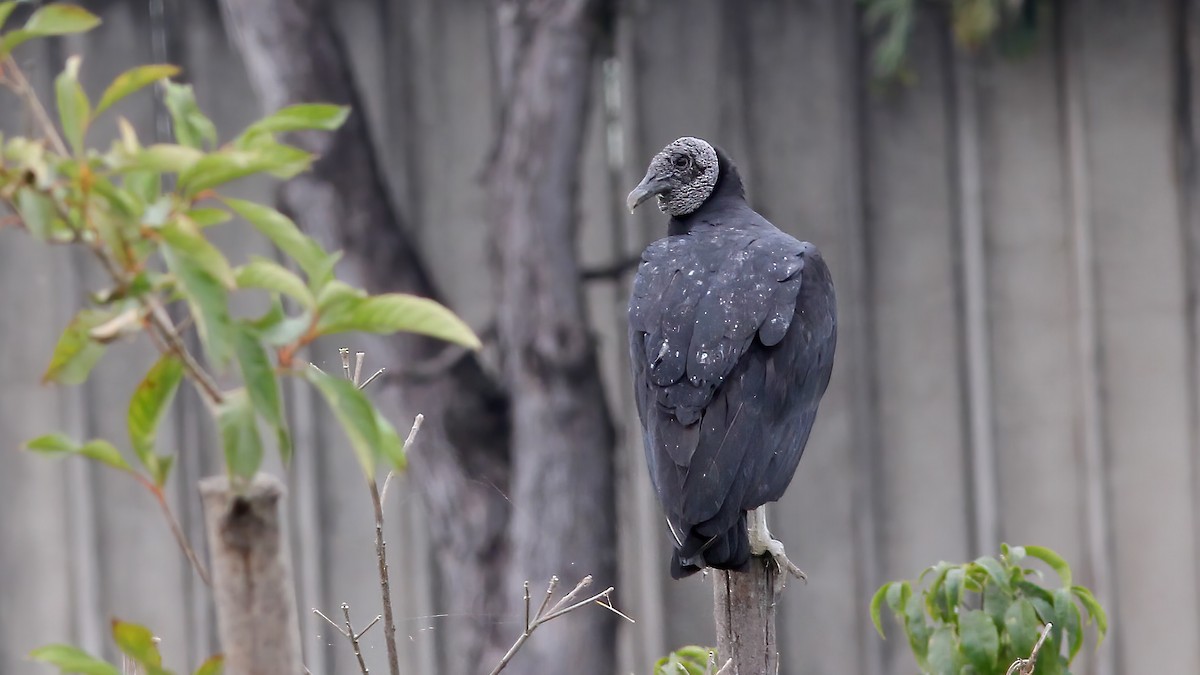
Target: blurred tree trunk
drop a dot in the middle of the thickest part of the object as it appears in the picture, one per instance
(544, 438)
(293, 55)
(562, 437)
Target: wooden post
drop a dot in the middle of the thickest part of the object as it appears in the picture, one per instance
(744, 608)
(252, 577)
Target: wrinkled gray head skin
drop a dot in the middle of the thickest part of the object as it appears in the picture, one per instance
(681, 176)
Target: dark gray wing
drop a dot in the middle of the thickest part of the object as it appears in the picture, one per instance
(731, 338)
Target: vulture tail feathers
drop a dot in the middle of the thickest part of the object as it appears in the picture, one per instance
(729, 550)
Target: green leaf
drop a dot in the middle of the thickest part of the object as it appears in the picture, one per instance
(186, 239)
(74, 111)
(359, 419)
(1094, 609)
(271, 276)
(132, 80)
(239, 434)
(1021, 624)
(1074, 628)
(162, 158)
(6, 9)
(136, 642)
(76, 352)
(953, 589)
(391, 313)
(996, 602)
(160, 469)
(55, 19)
(103, 451)
(39, 214)
(262, 385)
(282, 232)
(321, 116)
(207, 216)
(53, 444)
(979, 643)
(191, 127)
(228, 165)
(149, 403)
(943, 652)
(70, 659)
(994, 570)
(916, 628)
(205, 277)
(1054, 560)
(215, 665)
(877, 601)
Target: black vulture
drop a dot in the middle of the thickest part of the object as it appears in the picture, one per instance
(732, 326)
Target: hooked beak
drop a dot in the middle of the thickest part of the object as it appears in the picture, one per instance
(651, 185)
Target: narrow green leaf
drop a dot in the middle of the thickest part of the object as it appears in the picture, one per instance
(979, 643)
(996, 601)
(395, 312)
(39, 214)
(149, 403)
(320, 116)
(103, 451)
(76, 352)
(943, 652)
(877, 601)
(239, 434)
(52, 444)
(1094, 609)
(1054, 560)
(228, 165)
(55, 19)
(74, 111)
(70, 659)
(191, 127)
(196, 266)
(145, 185)
(271, 276)
(262, 385)
(215, 665)
(1075, 630)
(953, 588)
(207, 216)
(283, 233)
(356, 415)
(136, 642)
(160, 157)
(6, 9)
(132, 80)
(160, 468)
(917, 629)
(391, 445)
(186, 239)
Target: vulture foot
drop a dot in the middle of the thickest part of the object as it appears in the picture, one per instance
(762, 543)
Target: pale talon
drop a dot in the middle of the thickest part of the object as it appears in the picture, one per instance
(762, 543)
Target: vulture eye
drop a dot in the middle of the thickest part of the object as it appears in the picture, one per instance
(682, 162)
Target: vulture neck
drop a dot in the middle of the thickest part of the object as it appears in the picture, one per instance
(728, 192)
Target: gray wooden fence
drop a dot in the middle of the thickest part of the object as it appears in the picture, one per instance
(1016, 247)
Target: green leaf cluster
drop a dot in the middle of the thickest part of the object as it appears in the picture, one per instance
(689, 660)
(134, 641)
(145, 212)
(976, 618)
(1011, 26)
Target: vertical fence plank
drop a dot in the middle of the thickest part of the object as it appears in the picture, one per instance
(1127, 78)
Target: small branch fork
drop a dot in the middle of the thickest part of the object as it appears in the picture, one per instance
(349, 634)
(1025, 666)
(568, 603)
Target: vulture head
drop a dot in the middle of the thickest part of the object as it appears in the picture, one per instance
(682, 176)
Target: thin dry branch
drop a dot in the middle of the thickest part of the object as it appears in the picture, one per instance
(1026, 666)
(565, 605)
(349, 634)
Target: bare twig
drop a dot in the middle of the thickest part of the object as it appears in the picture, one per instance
(14, 75)
(1025, 666)
(563, 606)
(372, 378)
(176, 529)
(353, 637)
(389, 624)
(412, 436)
(345, 354)
(358, 364)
